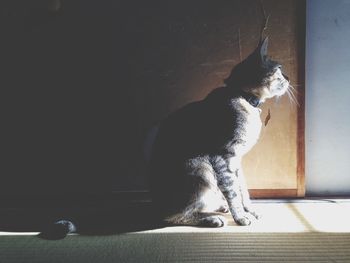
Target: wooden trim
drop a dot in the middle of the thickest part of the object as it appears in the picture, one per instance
(273, 193)
(301, 9)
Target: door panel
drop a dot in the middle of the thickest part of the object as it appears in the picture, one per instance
(88, 83)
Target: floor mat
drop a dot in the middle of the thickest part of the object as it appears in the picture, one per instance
(288, 232)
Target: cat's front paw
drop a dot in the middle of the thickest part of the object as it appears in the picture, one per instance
(243, 221)
(246, 218)
(255, 214)
(252, 211)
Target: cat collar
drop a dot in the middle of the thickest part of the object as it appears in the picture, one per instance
(253, 100)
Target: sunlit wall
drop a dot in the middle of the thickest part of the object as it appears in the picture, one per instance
(327, 97)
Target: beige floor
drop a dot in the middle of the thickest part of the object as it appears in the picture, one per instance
(288, 216)
(300, 231)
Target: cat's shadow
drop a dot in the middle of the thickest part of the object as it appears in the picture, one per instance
(88, 221)
(126, 219)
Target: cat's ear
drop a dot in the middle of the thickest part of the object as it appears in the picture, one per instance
(263, 48)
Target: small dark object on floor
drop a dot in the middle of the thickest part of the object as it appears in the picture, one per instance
(58, 230)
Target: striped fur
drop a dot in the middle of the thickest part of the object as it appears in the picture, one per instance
(196, 169)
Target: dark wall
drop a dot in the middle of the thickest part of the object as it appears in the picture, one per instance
(67, 108)
(82, 86)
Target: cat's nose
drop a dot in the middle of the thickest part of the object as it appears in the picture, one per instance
(285, 77)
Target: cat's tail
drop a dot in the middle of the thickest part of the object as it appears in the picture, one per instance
(58, 230)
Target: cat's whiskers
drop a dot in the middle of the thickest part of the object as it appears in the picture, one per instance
(287, 92)
(294, 92)
(291, 99)
(291, 95)
(293, 88)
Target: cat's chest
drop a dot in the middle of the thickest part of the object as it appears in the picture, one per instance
(252, 129)
(253, 123)
(251, 126)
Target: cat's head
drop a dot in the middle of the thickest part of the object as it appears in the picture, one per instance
(259, 75)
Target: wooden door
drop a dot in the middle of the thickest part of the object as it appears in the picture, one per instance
(87, 83)
(275, 166)
(179, 51)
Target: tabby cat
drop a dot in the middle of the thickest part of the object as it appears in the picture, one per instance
(196, 172)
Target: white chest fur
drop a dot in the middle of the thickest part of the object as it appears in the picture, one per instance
(252, 127)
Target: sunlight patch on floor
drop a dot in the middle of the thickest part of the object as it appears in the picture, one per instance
(3, 233)
(325, 217)
(286, 217)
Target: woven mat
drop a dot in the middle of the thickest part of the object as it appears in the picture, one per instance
(297, 232)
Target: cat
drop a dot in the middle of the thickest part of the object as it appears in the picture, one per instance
(195, 160)
(195, 166)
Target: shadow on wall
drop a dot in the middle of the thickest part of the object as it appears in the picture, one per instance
(70, 121)
(84, 84)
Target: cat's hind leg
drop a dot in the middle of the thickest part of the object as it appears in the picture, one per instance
(201, 211)
(213, 200)
(210, 220)
(198, 219)
(205, 201)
